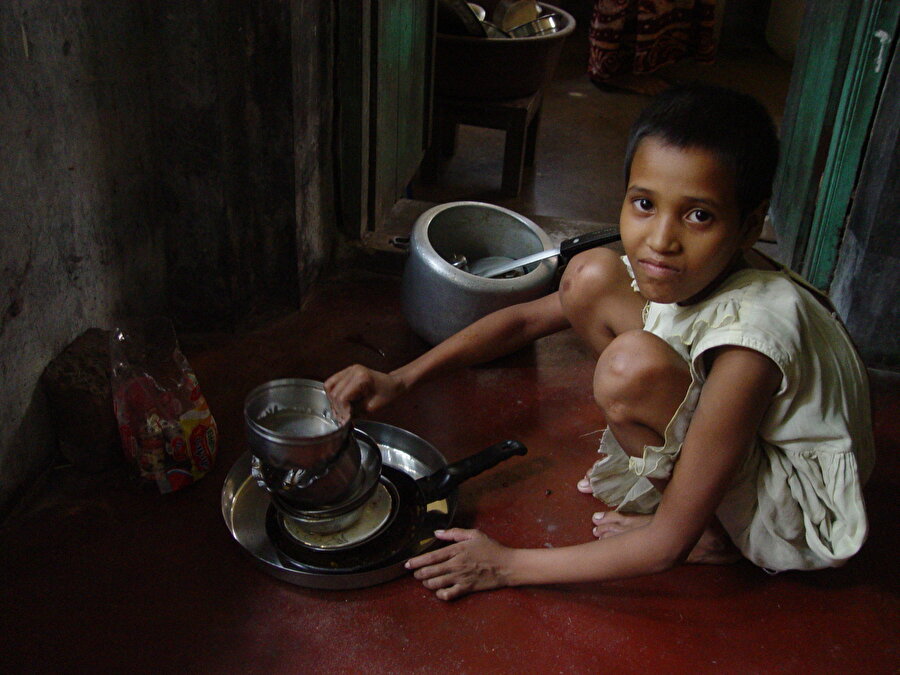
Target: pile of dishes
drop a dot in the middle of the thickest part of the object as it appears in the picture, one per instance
(325, 503)
(512, 55)
(510, 19)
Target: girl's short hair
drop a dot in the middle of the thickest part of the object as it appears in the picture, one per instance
(734, 126)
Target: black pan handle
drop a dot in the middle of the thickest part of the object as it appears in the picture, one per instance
(585, 241)
(443, 481)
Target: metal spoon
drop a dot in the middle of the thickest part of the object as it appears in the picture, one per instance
(566, 250)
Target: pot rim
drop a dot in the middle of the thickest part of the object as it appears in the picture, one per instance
(421, 240)
(274, 437)
(563, 32)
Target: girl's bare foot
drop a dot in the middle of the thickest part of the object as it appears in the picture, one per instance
(713, 548)
(584, 485)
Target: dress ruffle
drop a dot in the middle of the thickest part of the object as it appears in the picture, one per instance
(615, 481)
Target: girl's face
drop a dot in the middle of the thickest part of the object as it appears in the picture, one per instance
(680, 223)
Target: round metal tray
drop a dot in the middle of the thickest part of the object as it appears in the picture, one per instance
(244, 507)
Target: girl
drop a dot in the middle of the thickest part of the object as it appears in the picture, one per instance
(737, 408)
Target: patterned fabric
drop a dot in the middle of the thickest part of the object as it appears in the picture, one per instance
(641, 36)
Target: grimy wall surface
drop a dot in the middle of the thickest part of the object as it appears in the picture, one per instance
(153, 159)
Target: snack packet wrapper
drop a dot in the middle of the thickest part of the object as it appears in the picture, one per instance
(167, 430)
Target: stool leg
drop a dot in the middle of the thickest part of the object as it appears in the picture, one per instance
(429, 167)
(532, 138)
(448, 136)
(432, 159)
(514, 156)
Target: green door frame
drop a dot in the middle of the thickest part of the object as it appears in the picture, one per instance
(873, 42)
(844, 49)
(383, 73)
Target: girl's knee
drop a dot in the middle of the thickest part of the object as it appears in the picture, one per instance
(632, 368)
(589, 277)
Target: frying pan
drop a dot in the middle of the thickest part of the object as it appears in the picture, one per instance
(412, 522)
(245, 506)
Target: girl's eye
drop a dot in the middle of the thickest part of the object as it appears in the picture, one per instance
(700, 216)
(642, 204)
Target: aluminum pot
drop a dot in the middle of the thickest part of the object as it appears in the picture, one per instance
(440, 299)
(305, 450)
(498, 68)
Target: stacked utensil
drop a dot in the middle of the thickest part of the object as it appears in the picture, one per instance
(510, 19)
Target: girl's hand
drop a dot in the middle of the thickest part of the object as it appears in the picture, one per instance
(474, 563)
(363, 387)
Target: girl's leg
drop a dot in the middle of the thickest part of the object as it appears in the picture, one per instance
(597, 298)
(639, 383)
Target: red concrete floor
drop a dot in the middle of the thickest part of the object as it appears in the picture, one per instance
(100, 576)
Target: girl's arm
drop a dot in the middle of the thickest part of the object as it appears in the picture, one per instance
(499, 333)
(734, 399)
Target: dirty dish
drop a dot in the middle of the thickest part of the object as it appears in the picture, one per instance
(543, 25)
(511, 13)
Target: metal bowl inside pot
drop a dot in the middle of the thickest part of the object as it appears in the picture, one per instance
(301, 441)
(497, 67)
(510, 13)
(439, 298)
(291, 423)
(543, 25)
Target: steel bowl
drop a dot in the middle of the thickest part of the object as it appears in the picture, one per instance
(543, 25)
(477, 10)
(305, 450)
(510, 13)
(440, 298)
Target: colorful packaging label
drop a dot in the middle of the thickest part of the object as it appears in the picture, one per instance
(169, 447)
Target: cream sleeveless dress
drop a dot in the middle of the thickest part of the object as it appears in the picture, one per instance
(796, 501)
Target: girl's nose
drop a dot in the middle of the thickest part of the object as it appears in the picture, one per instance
(663, 236)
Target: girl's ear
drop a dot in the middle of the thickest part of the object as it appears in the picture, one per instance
(753, 224)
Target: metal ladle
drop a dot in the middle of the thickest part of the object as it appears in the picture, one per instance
(486, 264)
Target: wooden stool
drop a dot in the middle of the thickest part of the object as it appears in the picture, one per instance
(519, 118)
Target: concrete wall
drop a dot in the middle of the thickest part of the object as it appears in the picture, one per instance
(81, 240)
(147, 164)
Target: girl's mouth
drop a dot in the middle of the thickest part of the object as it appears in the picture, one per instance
(657, 269)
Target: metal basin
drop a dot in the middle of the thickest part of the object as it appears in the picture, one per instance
(440, 299)
(306, 453)
(497, 68)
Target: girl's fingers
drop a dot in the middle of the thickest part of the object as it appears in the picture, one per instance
(439, 582)
(446, 586)
(452, 593)
(442, 554)
(349, 387)
(456, 534)
(433, 558)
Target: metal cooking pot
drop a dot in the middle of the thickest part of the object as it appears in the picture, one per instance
(306, 452)
(440, 299)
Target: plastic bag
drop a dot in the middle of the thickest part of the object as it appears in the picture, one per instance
(165, 424)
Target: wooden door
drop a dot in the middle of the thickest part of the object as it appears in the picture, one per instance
(384, 74)
(845, 46)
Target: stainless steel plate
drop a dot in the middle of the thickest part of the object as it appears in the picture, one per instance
(244, 507)
(372, 518)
